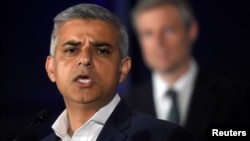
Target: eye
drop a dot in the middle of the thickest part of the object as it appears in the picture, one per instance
(146, 34)
(103, 51)
(168, 31)
(71, 51)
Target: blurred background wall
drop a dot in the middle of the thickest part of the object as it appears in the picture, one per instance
(223, 47)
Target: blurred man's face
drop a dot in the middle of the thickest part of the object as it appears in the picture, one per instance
(87, 66)
(164, 39)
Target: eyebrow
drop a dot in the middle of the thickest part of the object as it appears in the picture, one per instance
(93, 43)
(100, 44)
(72, 43)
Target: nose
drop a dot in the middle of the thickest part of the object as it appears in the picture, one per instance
(159, 40)
(85, 58)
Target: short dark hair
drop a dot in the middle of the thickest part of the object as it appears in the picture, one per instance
(90, 11)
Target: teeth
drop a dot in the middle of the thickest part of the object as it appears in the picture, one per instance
(84, 80)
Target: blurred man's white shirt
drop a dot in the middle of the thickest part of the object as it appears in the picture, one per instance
(183, 87)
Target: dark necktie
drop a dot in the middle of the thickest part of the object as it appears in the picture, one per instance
(174, 111)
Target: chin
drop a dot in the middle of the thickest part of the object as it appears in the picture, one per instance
(85, 101)
(162, 68)
(84, 98)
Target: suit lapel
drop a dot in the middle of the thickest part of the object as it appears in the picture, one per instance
(203, 103)
(117, 122)
(51, 137)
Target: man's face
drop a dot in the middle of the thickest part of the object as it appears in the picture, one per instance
(164, 39)
(87, 66)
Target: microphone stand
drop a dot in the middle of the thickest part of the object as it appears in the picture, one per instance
(42, 116)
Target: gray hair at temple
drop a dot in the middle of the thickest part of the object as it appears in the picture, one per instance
(183, 6)
(90, 11)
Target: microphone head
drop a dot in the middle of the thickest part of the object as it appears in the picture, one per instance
(43, 115)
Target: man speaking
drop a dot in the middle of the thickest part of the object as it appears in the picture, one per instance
(88, 59)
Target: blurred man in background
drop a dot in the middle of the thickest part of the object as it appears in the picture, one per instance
(178, 90)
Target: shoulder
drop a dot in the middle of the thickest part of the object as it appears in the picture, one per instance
(231, 95)
(220, 79)
(220, 84)
(144, 125)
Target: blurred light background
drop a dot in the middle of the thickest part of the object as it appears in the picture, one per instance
(223, 47)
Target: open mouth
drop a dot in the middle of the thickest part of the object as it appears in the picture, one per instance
(84, 80)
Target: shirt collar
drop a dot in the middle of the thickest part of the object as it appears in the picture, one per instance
(185, 81)
(160, 85)
(102, 115)
(61, 124)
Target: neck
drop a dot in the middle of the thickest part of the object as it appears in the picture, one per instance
(78, 115)
(172, 75)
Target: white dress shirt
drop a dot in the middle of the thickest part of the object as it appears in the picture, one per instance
(88, 131)
(183, 87)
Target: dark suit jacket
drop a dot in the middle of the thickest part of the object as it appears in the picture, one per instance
(214, 101)
(127, 125)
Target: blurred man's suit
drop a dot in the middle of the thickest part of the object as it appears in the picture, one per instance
(213, 101)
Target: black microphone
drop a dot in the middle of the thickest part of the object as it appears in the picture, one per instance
(42, 116)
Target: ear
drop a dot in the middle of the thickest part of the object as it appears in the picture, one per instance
(125, 67)
(193, 31)
(49, 66)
